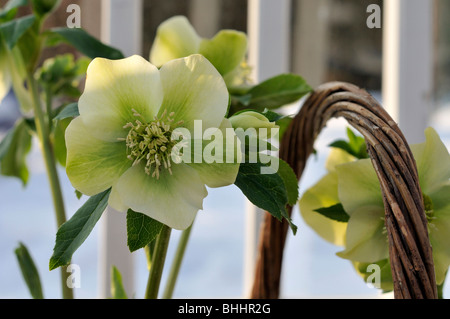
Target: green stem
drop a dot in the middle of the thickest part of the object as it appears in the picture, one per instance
(157, 266)
(176, 264)
(50, 164)
(48, 107)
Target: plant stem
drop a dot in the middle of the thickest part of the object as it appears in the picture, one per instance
(52, 173)
(158, 260)
(176, 264)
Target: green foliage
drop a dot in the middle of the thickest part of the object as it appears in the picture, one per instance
(44, 7)
(29, 271)
(85, 43)
(335, 212)
(73, 233)
(271, 94)
(266, 191)
(13, 30)
(68, 111)
(9, 11)
(141, 230)
(61, 75)
(14, 149)
(356, 145)
(117, 289)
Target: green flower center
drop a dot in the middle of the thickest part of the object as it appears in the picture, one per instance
(429, 208)
(151, 142)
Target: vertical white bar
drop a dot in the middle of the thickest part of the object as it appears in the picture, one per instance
(121, 28)
(408, 64)
(269, 25)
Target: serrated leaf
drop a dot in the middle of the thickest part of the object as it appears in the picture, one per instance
(70, 110)
(117, 289)
(73, 233)
(29, 271)
(266, 191)
(278, 91)
(14, 149)
(141, 230)
(13, 30)
(87, 44)
(335, 212)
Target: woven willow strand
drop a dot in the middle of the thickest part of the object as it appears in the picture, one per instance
(405, 220)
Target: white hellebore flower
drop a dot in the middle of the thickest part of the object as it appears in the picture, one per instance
(123, 137)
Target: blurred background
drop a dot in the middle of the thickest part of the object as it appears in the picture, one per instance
(328, 40)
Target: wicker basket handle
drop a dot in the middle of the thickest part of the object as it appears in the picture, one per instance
(409, 246)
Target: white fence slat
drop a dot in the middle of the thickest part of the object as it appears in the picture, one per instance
(408, 64)
(121, 28)
(269, 55)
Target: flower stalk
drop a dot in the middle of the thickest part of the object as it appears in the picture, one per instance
(157, 264)
(176, 263)
(50, 164)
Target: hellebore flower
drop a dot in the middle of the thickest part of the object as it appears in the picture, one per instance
(177, 38)
(125, 134)
(358, 190)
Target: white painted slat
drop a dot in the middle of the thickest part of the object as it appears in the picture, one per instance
(408, 64)
(121, 28)
(269, 55)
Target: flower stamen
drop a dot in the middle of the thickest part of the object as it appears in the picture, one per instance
(151, 142)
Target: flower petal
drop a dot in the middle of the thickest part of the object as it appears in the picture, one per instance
(358, 186)
(337, 157)
(93, 165)
(223, 166)
(113, 89)
(115, 201)
(175, 38)
(173, 200)
(194, 90)
(5, 77)
(226, 50)
(323, 194)
(365, 239)
(433, 162)
(439, 230)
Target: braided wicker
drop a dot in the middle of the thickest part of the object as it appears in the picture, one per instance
(409, 246)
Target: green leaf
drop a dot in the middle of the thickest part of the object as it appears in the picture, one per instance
(43, 7)
(69, 111)
(335, 212)
(266, 191)
(87, 44)
(29, 271)
(278, 91)
(73, 233)
(355, 146)
(141, 230)
(12, 31)
(9, 11)
(78, 194)
(117, 289)
(290, 181)
(13, 151)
